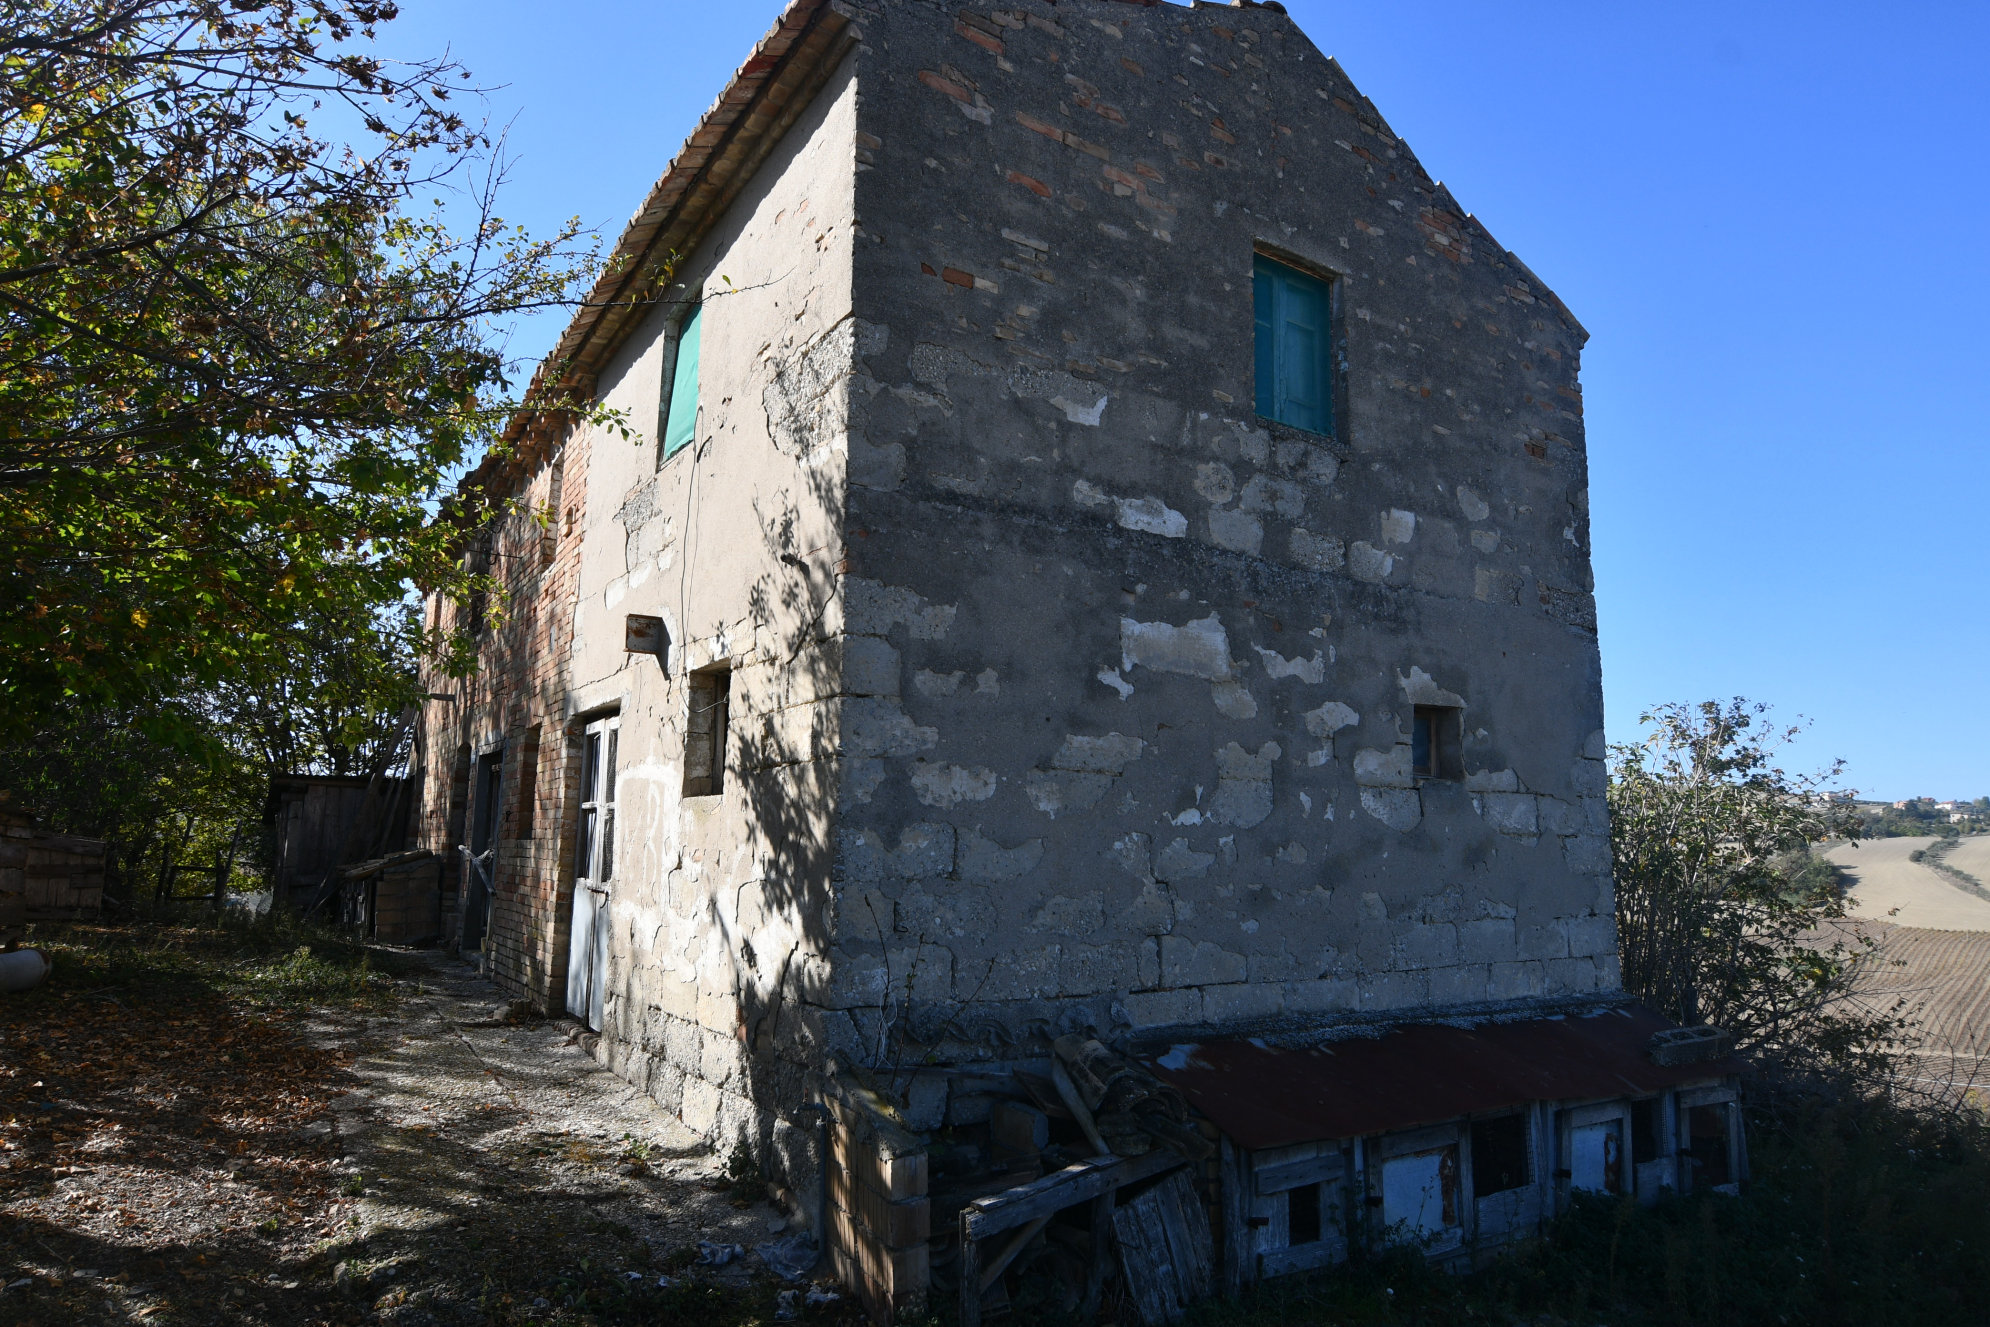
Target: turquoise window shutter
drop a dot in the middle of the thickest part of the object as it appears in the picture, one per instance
(1294, 347)
(682, 420)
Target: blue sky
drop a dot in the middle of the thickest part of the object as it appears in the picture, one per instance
(1770, 216)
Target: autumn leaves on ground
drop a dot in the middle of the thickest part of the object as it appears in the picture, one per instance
(170, 1154)
(163, 1125)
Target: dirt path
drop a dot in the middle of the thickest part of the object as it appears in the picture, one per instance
(479, 1142)
(180, 1159)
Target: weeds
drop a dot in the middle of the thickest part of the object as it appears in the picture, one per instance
(1859, 1214)
(270, 962)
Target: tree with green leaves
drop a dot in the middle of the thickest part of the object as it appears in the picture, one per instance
(241, 344)
(1723, 915)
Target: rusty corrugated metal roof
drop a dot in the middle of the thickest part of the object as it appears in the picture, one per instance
(1263, 1095)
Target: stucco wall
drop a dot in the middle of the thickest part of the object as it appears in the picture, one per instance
(1141, 667)
(717, 902)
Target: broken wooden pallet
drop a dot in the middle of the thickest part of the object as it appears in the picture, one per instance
(1164, 1249)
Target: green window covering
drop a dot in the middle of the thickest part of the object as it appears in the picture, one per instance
(682, 420)
(1294, 347)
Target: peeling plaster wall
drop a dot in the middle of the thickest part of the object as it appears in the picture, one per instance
(717, 909)
(1131, 742)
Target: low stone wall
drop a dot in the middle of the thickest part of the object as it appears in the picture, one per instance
(47, 877)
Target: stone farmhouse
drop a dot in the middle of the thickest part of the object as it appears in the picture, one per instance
(1093, 545)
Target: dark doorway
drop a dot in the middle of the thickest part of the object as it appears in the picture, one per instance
(480, 866)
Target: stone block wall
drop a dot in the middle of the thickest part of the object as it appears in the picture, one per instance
(1067, 692)
(1130, 747)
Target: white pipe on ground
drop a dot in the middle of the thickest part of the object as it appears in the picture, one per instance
(23, 969)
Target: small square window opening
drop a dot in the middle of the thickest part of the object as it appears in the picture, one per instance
(1646, 1143)
(1708, 1146)
(1499, 1155)
(705, 733)
(1437, 742)
(1302, 1215)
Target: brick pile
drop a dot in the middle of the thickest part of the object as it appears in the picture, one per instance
(880, 1216)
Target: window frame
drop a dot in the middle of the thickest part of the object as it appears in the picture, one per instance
(1445, 745)
(1332, 365)
(594, 830)
(715, 735)
(1480, 1132)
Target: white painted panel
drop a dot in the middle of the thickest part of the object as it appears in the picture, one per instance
(1596, 1158)
(1414, 1193)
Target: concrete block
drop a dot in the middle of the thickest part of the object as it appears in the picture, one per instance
(1023, 974)
(1324, 995)
(1234, 1004)
(700, 1110)
(1560, 817)
(1488, 941)
(1164, 1008)
(1429, 946)
(1492, 781)
(1398, 808)
(924, 850)
(1237, 531)
(871, 667)
(1097, 969)
(926, 1102)
(1516, 981)
(1388, 767)
(1465, 983)
(1541, 942)
(1187, 962)
(1592, 937)
(1513, 813)
(1570, 976)
(1394, 990)
(1587, 854)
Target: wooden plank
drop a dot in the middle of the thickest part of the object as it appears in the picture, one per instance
(1239, 1257)
(1095, 1275)
(1061, 1189)
(1076, 1105)
(1143, 1256)
(1000, 1262)
(970, 1277)
(1188, 1236)
(1165, 1249)
(1291, 1174)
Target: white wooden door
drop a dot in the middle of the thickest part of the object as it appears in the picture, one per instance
(594, 870)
